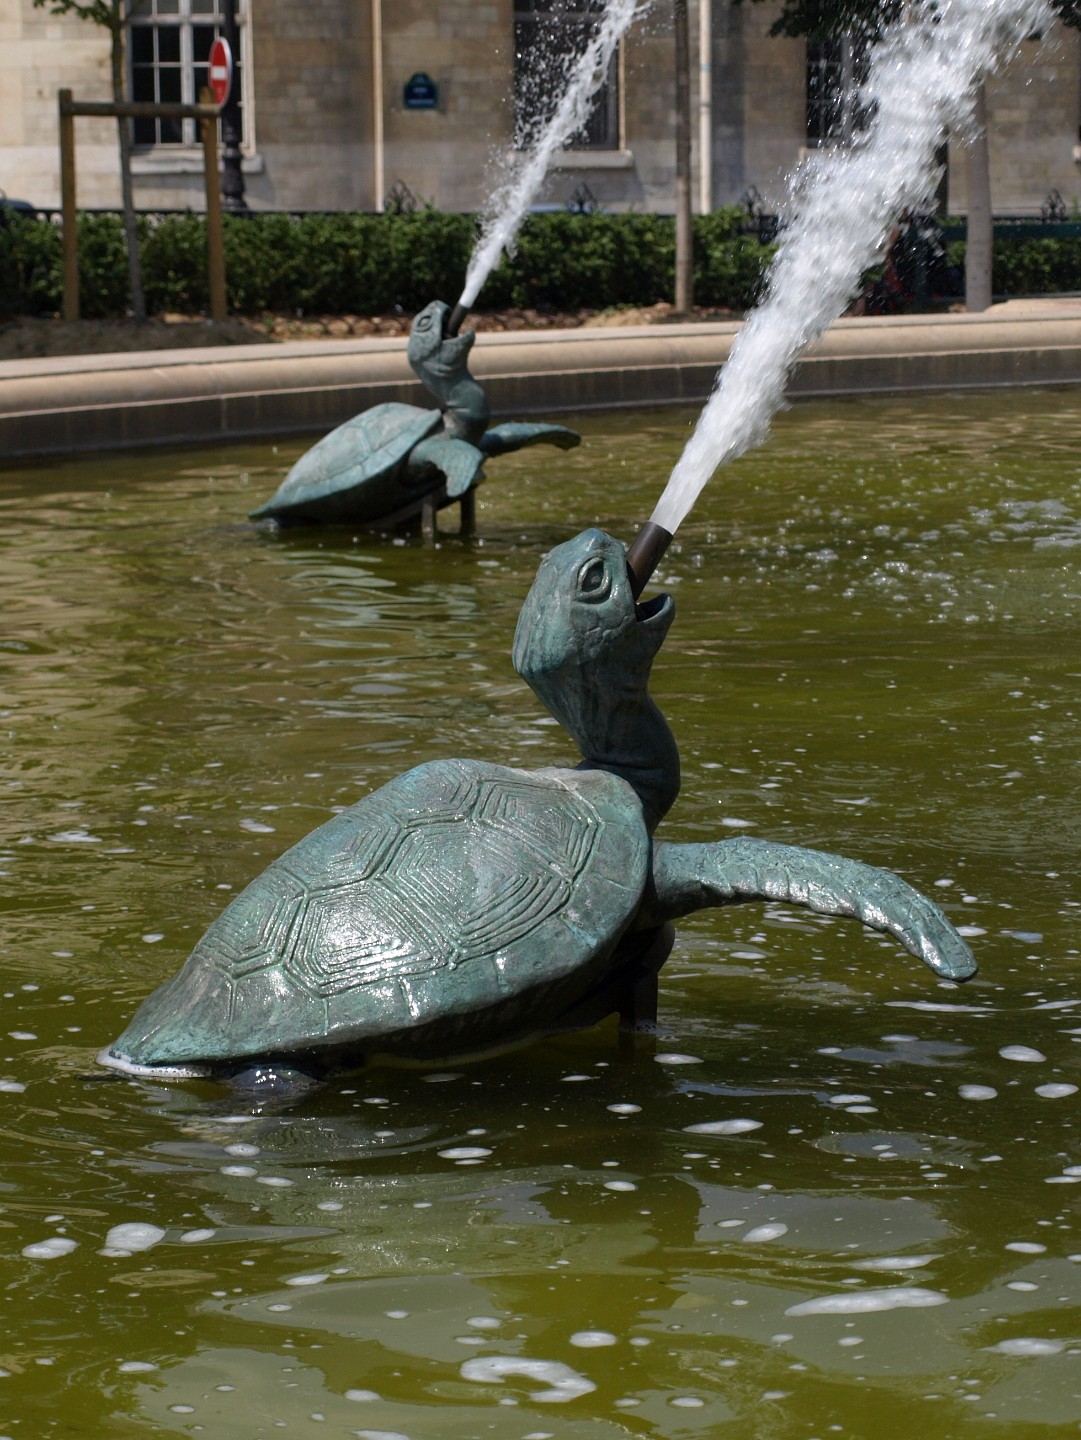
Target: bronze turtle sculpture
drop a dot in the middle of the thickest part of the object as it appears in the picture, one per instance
(467, 905)
(384, 465)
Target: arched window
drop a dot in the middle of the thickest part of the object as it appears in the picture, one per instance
(549, 35)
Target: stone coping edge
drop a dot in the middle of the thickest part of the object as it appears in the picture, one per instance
(89, 403)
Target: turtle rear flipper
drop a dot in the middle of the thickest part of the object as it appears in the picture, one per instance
(516, 434)
(728, 872)
(460, 462)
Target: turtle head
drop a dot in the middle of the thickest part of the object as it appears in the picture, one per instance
(586, 650)
(435, 356)
(441, 362)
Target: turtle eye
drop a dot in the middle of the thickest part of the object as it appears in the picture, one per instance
(594, 582)
(424, 322)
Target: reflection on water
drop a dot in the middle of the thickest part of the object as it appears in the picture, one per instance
(835, 1197)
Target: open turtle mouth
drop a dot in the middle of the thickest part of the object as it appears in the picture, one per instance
(653, 609)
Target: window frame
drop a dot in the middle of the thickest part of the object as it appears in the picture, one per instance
(836, 68)
(537, 15)
(143, 16)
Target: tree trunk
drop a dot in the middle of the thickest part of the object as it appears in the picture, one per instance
(980, 220)
(684, 244)
(131, 229)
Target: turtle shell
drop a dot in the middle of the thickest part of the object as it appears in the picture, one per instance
(458, 907)
(355, 472)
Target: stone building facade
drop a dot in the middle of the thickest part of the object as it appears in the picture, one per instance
(328, 125)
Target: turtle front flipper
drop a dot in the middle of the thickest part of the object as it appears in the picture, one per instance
(461, 463)
(516, 434)
(729, 872)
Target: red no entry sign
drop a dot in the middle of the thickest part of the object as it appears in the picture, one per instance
(221, 70)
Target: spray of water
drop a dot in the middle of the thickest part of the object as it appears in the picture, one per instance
(510, 203)
(842, 205)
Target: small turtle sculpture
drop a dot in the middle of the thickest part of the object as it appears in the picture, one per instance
(383, 466)
(466, 905)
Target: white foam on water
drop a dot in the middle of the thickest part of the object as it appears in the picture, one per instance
(895, 1262)
(842, 205)
(977, 1092)
(866, 1302)
(136, 1367)
(132, 1237)
(1025, 1054)
(509, 205)
(622, 1186)
(1026, 1247)
(1028, 1345)
(674, 1059)
(593, 1339)
(563, 1382)
(465, 1152)
(762, 1233)
(625, 1108)
(50, 1249)
(1055, 1092)
(196, 1237)
(307, 1279)
(362, 1395)
(723, 1127)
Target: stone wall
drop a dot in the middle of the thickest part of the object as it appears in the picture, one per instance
(311, 86)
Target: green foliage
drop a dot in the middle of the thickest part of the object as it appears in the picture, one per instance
(108, 13)
(360, 264)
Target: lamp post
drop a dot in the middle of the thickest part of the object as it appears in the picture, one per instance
(232, 177)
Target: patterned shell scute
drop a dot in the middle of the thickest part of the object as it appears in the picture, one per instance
(457, 886)
(357, 455)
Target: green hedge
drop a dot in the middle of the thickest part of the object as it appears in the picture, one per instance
(356, 264)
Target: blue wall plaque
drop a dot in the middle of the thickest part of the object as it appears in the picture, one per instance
(421, 92)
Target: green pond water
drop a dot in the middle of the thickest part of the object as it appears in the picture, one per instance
(875, 652)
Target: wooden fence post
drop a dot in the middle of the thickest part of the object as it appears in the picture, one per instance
(69, 219)
(215, 246)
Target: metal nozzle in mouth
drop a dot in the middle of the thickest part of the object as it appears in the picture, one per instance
(644, 554)
(457, 315)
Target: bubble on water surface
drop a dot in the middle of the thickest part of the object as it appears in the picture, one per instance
(132, 1237)
(621, 1185)
(12, 1087)
(623, 1108)
(866, 1302)
(1023, 1053)
(484, 1322)
(362, 1395)
(380, 1434)
(316, 1279)
(1055, 1092)
(723, 1127)
(50, 1249)
(593, 1339)
(1026, 1247)
(465, 1152)
(135, 1367)
(676, 1059)
(563, 1382)
(763, 1233)
(977, 1092)
(256, 827)
(196, 1237)
(687, 1402)
(1028, 1345)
